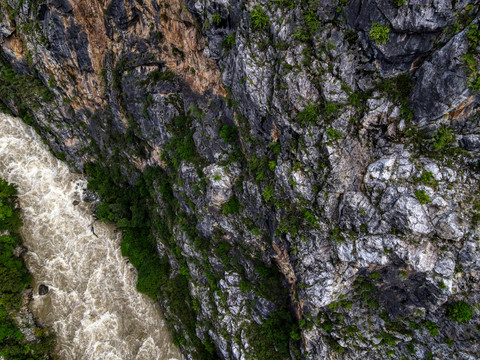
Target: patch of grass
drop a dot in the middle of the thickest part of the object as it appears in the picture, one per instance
(309, 217)
(336, 235)
(216, 19)
(330, 110)
(268, 193)
(375, 276)
(441, 285)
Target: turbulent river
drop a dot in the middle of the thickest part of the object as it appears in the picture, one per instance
(92, 303)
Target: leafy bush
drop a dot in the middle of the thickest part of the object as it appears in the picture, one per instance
(422, 197)
(471, 58)
(271, 339)
(444, 138)
(398, 89)
(309, 217)
(268, 193)
(459, 311)
(330, 110)
(229, 42)
(217, 19)
(379, 33)
(9, 216)
(399, 2)
(428, 179)
(309, 115)
(259, 18)
(228, 133)
(333, 134)
(232, 206)
(431, 327)
(181, 145)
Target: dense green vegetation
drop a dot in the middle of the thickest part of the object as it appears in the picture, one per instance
(471, 57)
(27, 92)
(459, 311)
(380, 33)
(271, 339)
(132, 208)
(259, 18)
(422, 197)
(14, 279)
(397, 89)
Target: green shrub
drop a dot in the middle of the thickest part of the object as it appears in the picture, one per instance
(259, 18)
(422, 197)
(441, 285)
(268, 193)
(471, 58)
(309, 217)
(375, 276)
(379, 33)
(333, 134)
(271, 339)
(336, 235)
(217, 19)
(232, 206)
(228, 133)
(397, 89)
(428, 179)
(156, 76)
(275, 147)
(431, 327)
(459, 311)
(308, 116)
(399, 2)
(229, 42)
(330, 110)
(181, 145)
(444, 138)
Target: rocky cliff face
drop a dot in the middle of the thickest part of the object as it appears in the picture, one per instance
(321, 157)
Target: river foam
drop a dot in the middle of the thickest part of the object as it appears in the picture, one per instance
(92, 304)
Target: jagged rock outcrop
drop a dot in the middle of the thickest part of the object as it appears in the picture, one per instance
(320, 181)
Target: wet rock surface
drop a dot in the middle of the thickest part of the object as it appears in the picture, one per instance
(43, 289)
(307, 155)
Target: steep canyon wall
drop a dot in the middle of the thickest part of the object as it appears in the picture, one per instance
(310, 166)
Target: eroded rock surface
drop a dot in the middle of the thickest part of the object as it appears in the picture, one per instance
(321, 182)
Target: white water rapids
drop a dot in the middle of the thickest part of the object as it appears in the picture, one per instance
(92, 305)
